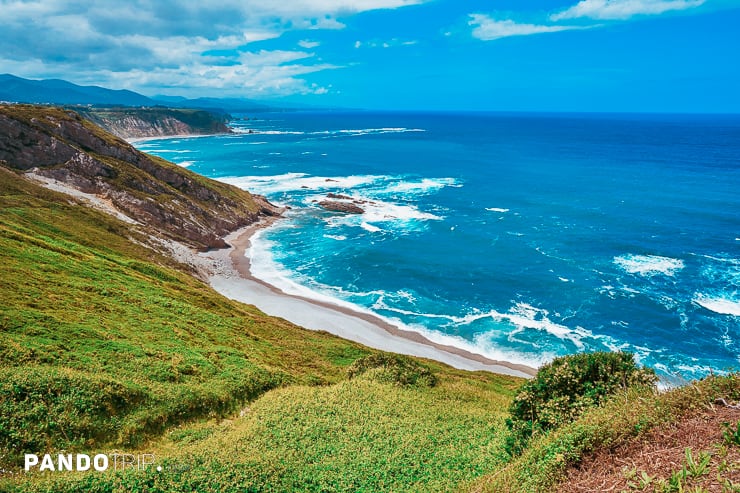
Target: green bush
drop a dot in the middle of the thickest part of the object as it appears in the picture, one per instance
(394, 369)
(563, 389)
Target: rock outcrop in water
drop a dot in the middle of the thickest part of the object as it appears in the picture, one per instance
(60, 145)
(337, 206)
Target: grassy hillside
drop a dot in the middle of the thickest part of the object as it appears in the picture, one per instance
(106, 345)
(552, 462)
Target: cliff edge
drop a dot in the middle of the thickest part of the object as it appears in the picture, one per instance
(135, 123)
(59, 145)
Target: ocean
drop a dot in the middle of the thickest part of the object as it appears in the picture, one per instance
(518, 236)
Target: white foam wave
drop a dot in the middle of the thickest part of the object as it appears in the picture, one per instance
(185, 164)
(522, 316)
(497, 209)
(380, 304)
(254, 131)
(719, 304)
(342, 132)
(296, 181)
(384, 216)
(264, 267)
(370, 227)
(425, 185)
(367, 131)
(384, 211)
(649, 265)
(723, 259)
(373, 186)
(336, 237)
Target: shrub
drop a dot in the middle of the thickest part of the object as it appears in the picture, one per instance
(563, 389)
(394, 369)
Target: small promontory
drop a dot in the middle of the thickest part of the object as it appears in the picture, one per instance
(60, 146)
(136, 123)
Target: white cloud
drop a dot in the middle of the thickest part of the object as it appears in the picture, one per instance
(622, 9)
(308, 44)
(334, 6)
(486, 28)
(184, 45)
(390, 43)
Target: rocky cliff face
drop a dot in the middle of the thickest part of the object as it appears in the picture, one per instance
(132, 123)
(173, 201)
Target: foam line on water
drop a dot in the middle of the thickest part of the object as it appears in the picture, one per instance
(724, 305)
(287, 182)
(649, 265)
(264, 267)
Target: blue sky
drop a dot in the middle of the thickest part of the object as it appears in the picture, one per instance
(507, 55)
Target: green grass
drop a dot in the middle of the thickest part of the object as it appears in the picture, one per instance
(80, 299)
(357, 435)
(105, 345)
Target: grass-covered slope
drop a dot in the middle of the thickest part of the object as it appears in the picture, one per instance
(616, 426)
(93, 326)
(106, 345)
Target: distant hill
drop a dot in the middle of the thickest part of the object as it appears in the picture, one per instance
(232, 105)
(55, 91)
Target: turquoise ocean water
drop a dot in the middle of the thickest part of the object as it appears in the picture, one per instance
(519, 236)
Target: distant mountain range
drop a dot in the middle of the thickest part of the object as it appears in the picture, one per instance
(57, 91)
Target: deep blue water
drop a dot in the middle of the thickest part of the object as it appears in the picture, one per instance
(519, 236)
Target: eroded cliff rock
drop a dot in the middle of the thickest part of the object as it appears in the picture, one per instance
(133, 123)
(170, 200)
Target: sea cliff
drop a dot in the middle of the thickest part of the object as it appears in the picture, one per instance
(59, 145)
(135, 123)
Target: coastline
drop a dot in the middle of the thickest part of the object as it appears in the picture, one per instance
(233, 278)
(138, 140)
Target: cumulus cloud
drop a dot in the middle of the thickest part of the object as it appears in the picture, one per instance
(308, 44)
(622, 9)
(183, 44)
(487, 28)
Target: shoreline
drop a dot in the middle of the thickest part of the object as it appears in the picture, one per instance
(137, 140)
(235, 280)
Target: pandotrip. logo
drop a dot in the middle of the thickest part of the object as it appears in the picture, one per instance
(83, 462)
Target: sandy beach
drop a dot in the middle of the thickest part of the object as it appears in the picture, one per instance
(233, 278)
